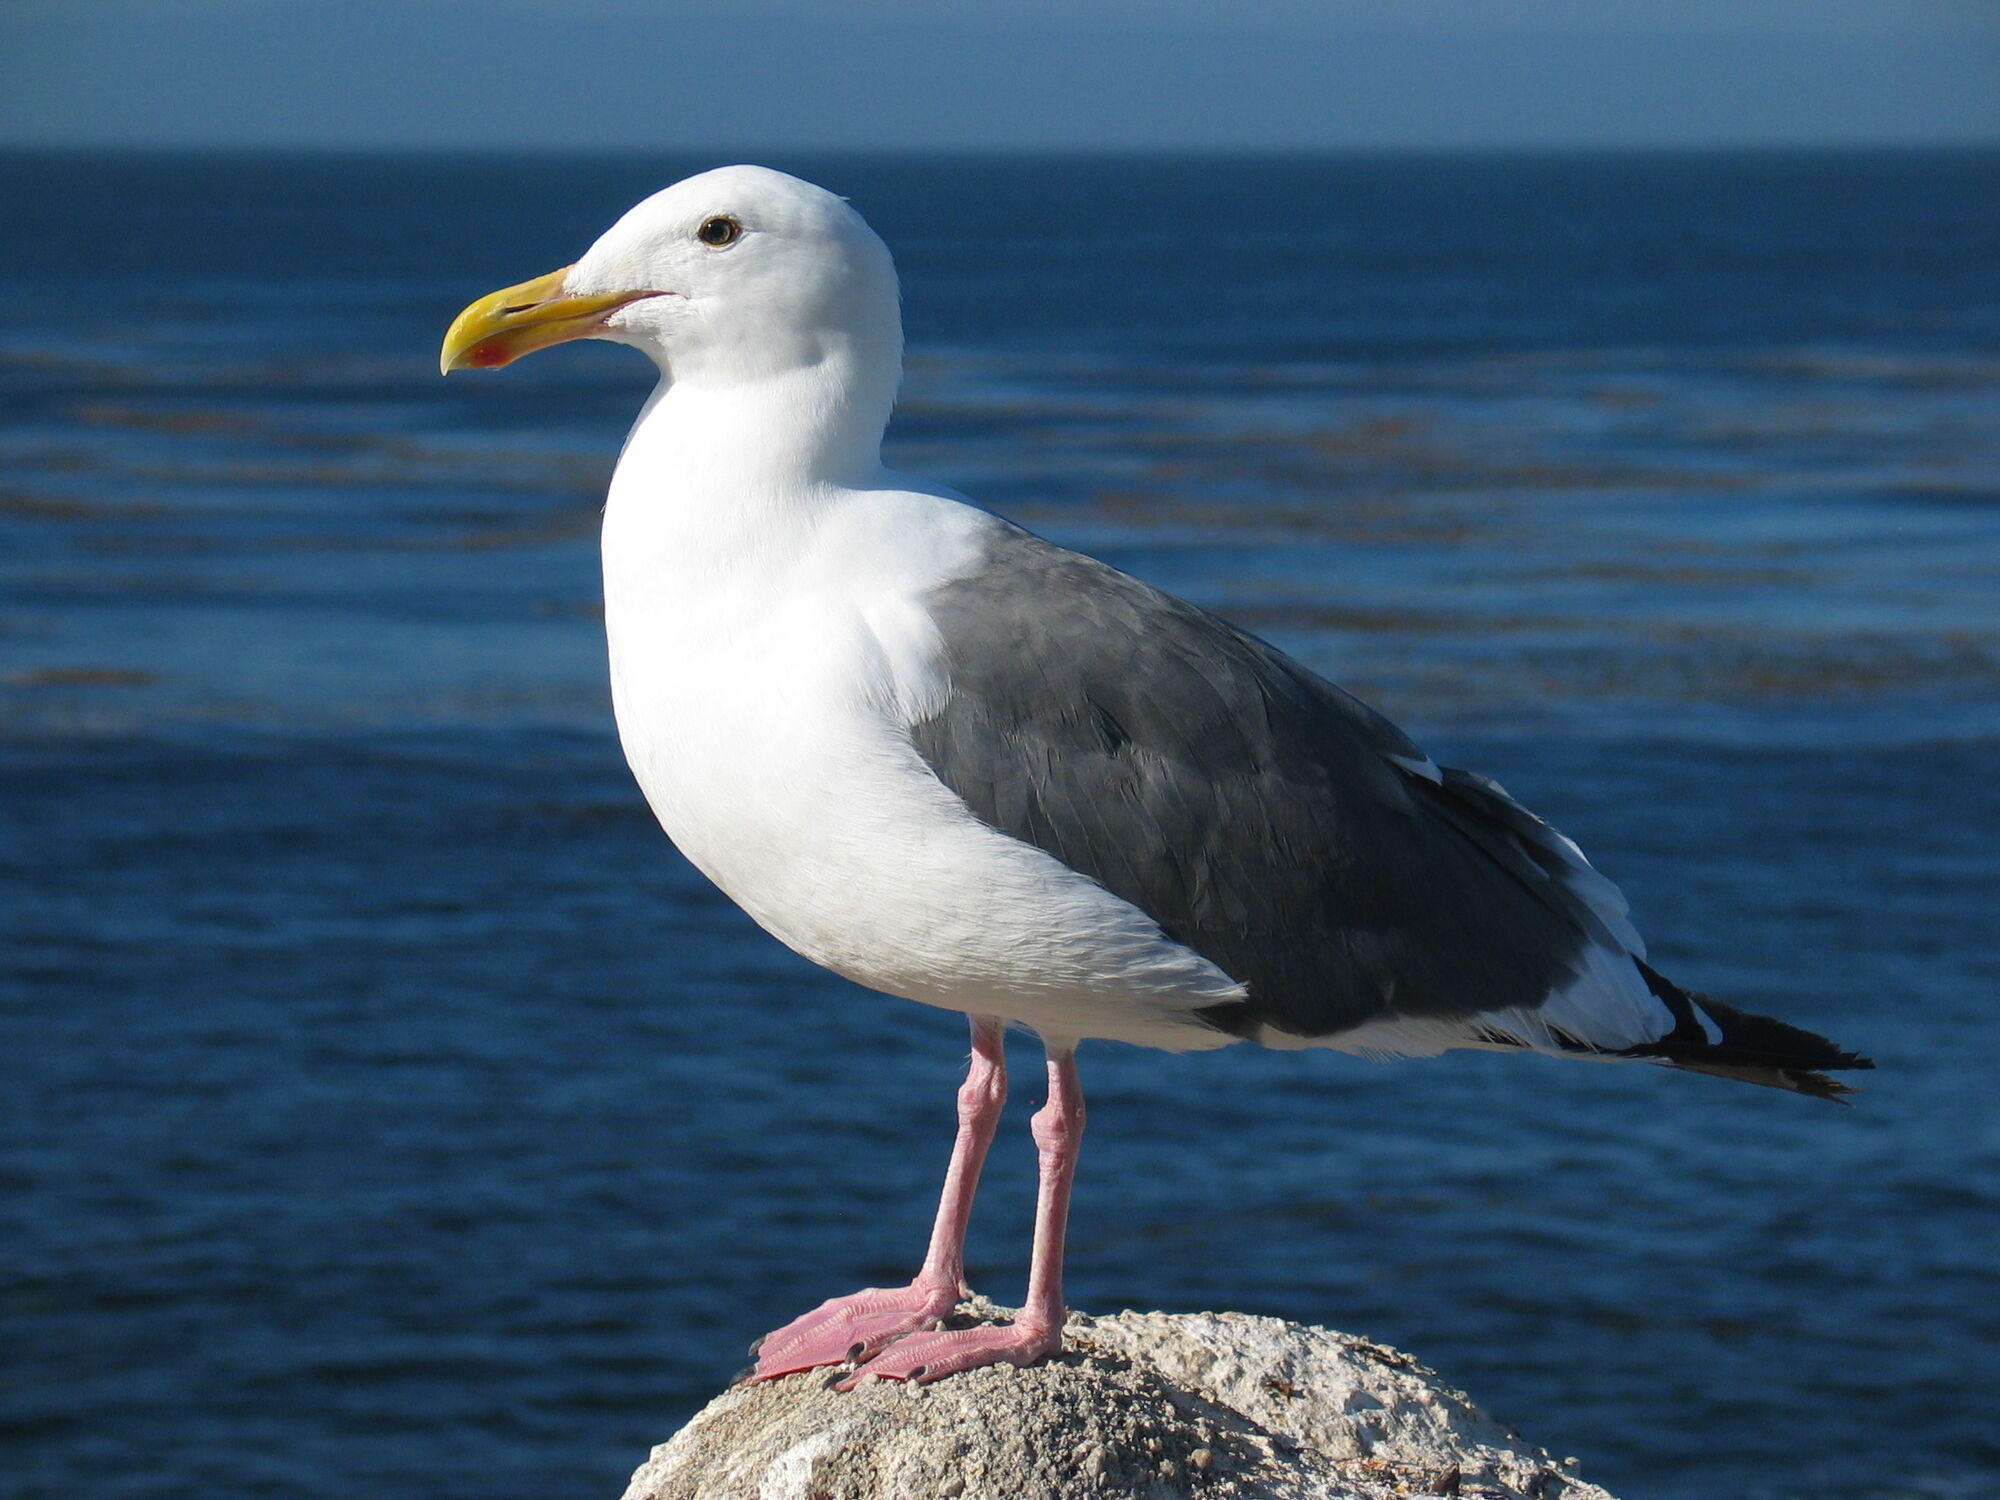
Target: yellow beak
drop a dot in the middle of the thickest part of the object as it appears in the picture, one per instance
(502, 326)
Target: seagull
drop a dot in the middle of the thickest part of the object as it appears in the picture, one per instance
(956, 763)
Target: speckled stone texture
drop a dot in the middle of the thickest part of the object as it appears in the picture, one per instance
(1148, 1405)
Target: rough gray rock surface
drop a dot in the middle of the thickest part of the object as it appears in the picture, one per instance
(1149, 1405)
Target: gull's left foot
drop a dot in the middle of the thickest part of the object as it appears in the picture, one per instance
(924, 1357)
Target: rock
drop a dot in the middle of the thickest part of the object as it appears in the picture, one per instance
(1148, 1405)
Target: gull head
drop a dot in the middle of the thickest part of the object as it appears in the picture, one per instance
(737, 275)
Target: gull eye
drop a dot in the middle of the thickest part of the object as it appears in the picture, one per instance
(719, 232)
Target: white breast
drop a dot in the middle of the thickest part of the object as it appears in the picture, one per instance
(765, 664)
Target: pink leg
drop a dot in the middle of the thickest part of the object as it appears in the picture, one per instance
(1037, 1332)
(857, 1326)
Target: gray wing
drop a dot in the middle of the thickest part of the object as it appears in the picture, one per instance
(1260, 815)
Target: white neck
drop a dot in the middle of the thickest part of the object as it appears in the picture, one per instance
(716, 480)
(818, 421)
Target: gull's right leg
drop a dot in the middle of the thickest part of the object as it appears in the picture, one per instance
(855, 1327)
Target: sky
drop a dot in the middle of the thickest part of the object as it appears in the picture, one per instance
(1006, 74)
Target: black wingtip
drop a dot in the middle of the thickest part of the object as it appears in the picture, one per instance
(1750, 1048)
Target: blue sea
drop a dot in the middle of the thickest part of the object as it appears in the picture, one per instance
(387, 1110)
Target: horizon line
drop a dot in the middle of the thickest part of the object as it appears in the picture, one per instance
(1968, 144)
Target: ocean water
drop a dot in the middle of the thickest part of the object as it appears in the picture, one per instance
(386, 1108)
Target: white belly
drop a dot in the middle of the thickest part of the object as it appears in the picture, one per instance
(764, 726)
